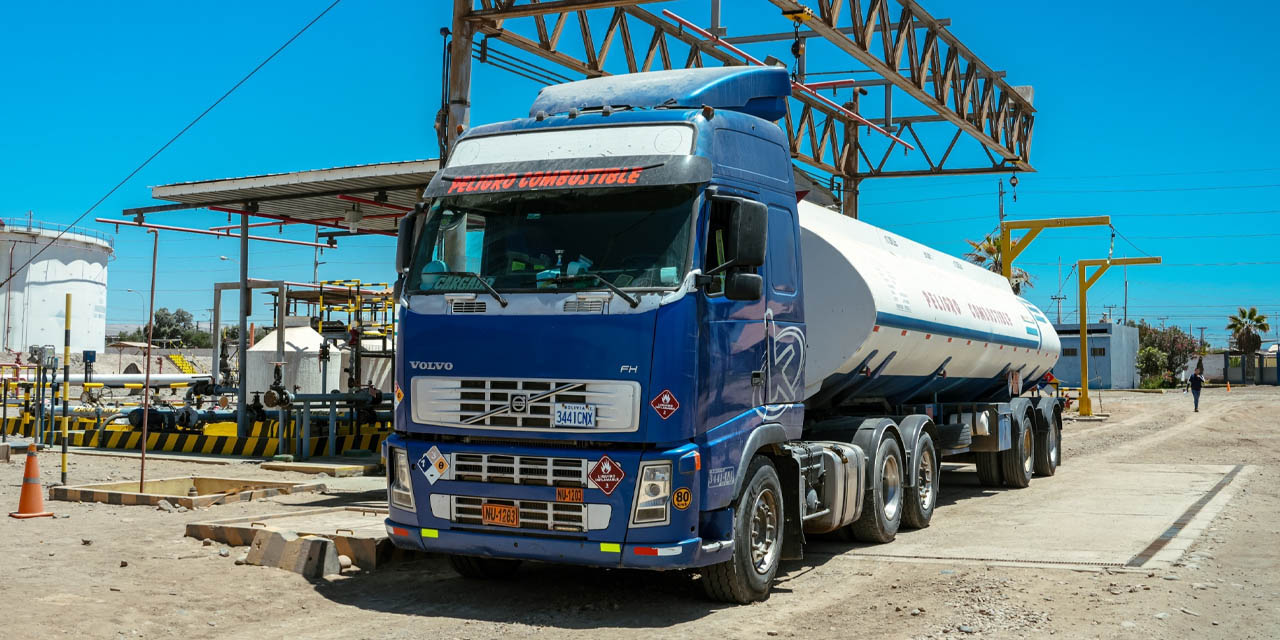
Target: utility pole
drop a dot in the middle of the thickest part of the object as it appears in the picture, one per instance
(1201, 350)
(1110, 311)
(1058, 299)
(1126, 295)
(1000, 199)
(1162, 319)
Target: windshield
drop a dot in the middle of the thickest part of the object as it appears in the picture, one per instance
(634, 239)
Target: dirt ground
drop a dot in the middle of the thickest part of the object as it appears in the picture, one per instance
(67, 576)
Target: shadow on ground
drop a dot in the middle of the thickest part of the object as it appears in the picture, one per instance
(569, 597)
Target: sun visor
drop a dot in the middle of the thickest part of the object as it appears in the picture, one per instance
(573, 173)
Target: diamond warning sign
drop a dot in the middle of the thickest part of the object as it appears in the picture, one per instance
(665, 404)
(605, 474)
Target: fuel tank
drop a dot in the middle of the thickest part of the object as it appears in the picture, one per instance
(887, 317)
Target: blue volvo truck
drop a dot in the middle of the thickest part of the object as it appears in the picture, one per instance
(627, 341)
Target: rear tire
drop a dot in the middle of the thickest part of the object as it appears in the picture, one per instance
(882, 505)
(920, 499)
(1018, 462)
(988, 469)
(757, 540)
(1049, 449)
(476, 568)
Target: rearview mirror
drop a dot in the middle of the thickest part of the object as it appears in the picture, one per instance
(405, 239)
(748, 230)
(743, 286)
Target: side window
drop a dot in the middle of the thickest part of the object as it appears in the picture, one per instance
(717, 230)
(782, 251)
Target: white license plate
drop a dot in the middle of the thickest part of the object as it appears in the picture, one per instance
(582, 416)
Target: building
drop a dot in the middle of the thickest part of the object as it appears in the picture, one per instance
(34, 299)
(1113, 356)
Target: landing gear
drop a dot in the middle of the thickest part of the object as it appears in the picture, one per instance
(757, 540)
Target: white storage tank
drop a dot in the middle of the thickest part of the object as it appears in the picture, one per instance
(33, 303)
(302, 370)
(889, 317)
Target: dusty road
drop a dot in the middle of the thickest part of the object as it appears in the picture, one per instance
(995, 564)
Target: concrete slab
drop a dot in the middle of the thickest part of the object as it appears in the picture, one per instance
(334, 467)
(1096, 515)
(192, 492)
(357, 532)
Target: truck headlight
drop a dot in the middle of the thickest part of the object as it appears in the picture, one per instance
(653, 495)
(400, 487)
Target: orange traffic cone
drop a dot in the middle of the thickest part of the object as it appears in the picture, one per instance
(1228, 386)
(31, 502)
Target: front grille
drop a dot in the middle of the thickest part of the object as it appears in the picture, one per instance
(534, 514)
(522, 470)
(506, 403)
(589, 305)
(468, 306)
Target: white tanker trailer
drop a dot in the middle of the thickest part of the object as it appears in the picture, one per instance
(889, 318)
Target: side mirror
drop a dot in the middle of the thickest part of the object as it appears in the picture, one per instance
(743, 286)
(405, 239)
(748, 233)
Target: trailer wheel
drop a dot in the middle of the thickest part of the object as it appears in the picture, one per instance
(988, 469)
(1049, 449)
(1018, 462)
(757, 540)
(483, 568)
(882, 505)
(919, 500)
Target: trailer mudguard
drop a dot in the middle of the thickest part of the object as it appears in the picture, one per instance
(868, 437)
(911, 427)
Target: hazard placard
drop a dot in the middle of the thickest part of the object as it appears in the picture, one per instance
(605, 474)
(433, 464)
(665, 404)
(399, 395)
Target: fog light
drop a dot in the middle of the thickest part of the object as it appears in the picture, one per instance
(401, 487)
(653, 495)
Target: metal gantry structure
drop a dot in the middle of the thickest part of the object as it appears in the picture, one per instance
(938, 96)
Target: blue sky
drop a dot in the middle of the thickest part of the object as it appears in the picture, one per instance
(1147, 111)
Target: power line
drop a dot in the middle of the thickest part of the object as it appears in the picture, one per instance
(167, 144)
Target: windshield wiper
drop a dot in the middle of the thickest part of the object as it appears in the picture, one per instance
(487, 287)
(599, 278)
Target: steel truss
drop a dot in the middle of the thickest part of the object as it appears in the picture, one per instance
(902, 51)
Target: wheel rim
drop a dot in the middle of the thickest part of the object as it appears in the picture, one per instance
(1027, 443)
(764, 531)
(1053, 446)
(891, 487)
(925, 481)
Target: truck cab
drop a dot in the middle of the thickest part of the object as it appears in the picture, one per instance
(589, 331)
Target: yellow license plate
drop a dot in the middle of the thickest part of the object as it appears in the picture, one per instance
(502, 515)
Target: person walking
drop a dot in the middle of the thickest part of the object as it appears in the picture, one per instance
(1196, 381)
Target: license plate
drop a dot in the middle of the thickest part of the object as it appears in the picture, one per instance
(502, 515)
(582, 416)
(568, 494)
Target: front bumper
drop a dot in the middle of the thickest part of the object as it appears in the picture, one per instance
(684, 554)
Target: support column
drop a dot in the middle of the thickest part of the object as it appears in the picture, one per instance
(242, 392)
(459, 71)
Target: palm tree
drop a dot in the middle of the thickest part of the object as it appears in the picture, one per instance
(1247, 328)
(988, 255)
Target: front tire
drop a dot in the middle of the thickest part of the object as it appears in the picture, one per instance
(476, 568)
(920, 499)
(757, 540)
(882, 505)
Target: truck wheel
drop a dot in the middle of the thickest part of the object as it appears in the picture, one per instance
(882, 505)
(757, 540)
(483, 568)
(1018, 462)
(988, 469)
(919, 500)
(1049, 450)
